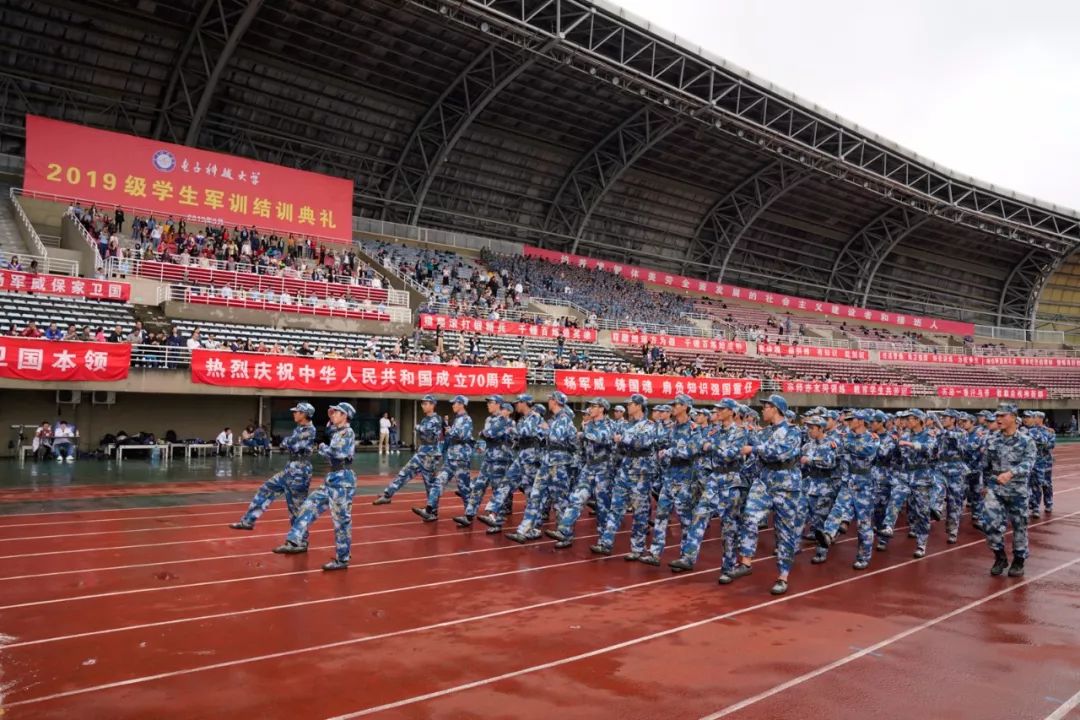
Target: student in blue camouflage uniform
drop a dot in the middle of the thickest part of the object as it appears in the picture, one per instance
(426, 459)
(678, 453)
(1042, 485)
(857, 492)
(336, 494)
(662, 419)
(722, 445)
(973, 450)
(554, 477)
(495, 441)
(953, 469)
(527, 438)
(751, 470)
(292, 482)
(778, 489)
(1010, 459)
(637, 444)
(818, 463)
(884, 466)
(916, 448)
(456, 465)
(594, 478)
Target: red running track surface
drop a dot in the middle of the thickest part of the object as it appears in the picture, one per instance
(164, 612)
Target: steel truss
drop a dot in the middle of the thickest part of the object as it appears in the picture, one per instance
(202, 61)
(859, 260)
(595, 40)
(1022, 289)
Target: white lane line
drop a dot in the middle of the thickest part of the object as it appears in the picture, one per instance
(841, 662)
(653, 636)
(486, 616)
(1066, 707)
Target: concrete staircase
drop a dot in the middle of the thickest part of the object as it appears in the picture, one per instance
(11, 242)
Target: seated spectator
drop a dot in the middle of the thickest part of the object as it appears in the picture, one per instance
(42, 443)
(224, 442)
(63, 444)
(31, 330)
(53, 332)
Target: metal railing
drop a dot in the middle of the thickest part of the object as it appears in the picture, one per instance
(608, 324)
(46, 264)
(99, 262)
(329, 307)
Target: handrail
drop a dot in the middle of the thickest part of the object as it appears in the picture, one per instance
(330, 307)
(99, 262)
(58, 266)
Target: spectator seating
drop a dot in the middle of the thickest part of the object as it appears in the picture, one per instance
(17, 309)
(1062, 382)
(257, 300)
(536, 350)
(847, 371)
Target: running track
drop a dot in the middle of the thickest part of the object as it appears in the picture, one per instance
(153, 612)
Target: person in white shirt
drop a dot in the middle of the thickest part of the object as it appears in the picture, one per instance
(64, 442)
(195, 341)
(224, 441)
(384, 433)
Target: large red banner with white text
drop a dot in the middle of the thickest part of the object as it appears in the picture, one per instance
(812, 351)
(112, 169)
(834, 388)
(577, 383)
(992, 393)
(761, 297)
(504, 327)
(55, 361)
(12, 281)
(286, 372)
(948, 359)
(678, 342)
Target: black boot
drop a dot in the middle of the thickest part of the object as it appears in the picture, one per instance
(1017, 567)
(1001, 561)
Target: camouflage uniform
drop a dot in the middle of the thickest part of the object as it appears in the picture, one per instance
(677, 483)
(778, 489)
(719, 494)
(496, 436)
(857, 492)
(335, 495)
(913, 487)
(633, 484)
(594, 478)
(886, 475)
(528, 437)
(973, 450)
(457, 464)
(426, 459)
(292, 482)
(554, 476)
(1042, 484)
(953, 470)
(1008, 501)
(820, 481)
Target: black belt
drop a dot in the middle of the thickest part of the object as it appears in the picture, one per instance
(785, 465)
(679, 462)
(639, 453)
(526, 443)
(340, 464)
(918, 467)
(459, 442)
(733, 467)
(495, 443)
(560, 448)
(867, 471)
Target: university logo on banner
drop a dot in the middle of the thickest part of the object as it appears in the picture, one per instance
(56, 361)
(287, 372)
(113, 169)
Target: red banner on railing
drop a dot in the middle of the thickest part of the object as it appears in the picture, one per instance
(195, 274)
(992, 393)
(760, 297)
(812, 351)
(938, 358)
(286, 372)
(504, 327)
(832, 388)
(55, 361)
(112, 169)
(678, 342)
(12, 281)
(1014, 360)
(579, 383)
(1033, 361)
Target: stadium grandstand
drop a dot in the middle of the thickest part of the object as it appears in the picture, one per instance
(531, 196)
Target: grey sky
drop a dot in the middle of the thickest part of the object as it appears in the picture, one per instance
(989, 88)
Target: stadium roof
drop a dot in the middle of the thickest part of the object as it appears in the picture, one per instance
(562, 123)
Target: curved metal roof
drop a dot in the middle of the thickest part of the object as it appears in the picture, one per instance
(562, 123)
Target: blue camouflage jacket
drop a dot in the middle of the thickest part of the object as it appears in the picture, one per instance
(300, 440)
(597, 442)
(342, 447)
(496, 435)
(1015, 453)
(861, 450)
(918, 458)
(459, 439)
(428, 434)
(779, 450)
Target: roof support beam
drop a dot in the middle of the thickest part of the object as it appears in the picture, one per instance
(597, 171)
(1020, 293)
(861, 257)
(724, 225)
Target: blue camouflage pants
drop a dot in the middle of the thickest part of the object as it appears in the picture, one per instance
(856, 493)
(456, 469)
(937, 490)
(292, 482)
(632, 485)
(818, 504)
(973, 491)
(676, 493)
(550, 484)
(954, 477)
(718, 497)
(917, 496)
(492, 471)
(422, 464)
(1042, 487)
(520, 475)
(593, 479)
(729, 527)
(1007, 504)
(884, 481)
(336, 496)
(787, 510)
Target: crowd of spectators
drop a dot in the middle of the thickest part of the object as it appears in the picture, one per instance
(284, 298)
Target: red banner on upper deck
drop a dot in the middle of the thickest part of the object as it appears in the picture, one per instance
(678, 342)
(55, 361)
(12, 281)
(579, 383)
(838, 388)
(113, 169)
(286, 372)
(504, 327)
(779, 301)
(948, 359)
(991, 393)
(812, 351)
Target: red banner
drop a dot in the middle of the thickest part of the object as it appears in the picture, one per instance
(197, 275)
(584, 383)
(1014, 360)
(55, 361)
(112, 169)
(832, 388)
(12, 281)
(759, 297)
(286, 372)
(503, 327)
(992, 393)
(812, 351)
(678, 342)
